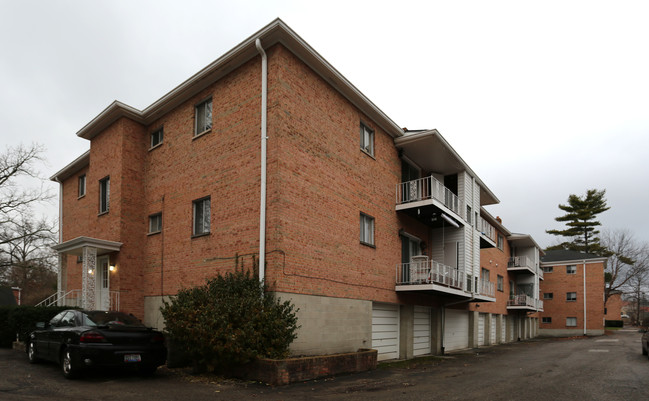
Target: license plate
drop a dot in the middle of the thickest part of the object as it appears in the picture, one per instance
(132, 358)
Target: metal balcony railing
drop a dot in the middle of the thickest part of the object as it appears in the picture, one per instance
(486, 229)
(487, 288)
(427, 272)
(428, 188)
(522, 300)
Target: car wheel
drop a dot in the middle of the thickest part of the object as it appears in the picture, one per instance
(70, 371)
(31, 353)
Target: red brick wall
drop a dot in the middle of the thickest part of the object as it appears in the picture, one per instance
(559, 283)
(613, 307)
(495, 260)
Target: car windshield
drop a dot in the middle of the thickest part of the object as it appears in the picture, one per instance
(101, 318)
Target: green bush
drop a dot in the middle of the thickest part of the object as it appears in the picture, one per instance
(22, 320)
(229, 321)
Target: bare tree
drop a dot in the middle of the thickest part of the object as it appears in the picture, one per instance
(627, 267)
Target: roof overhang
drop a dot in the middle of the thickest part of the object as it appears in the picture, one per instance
(525, 240)
(574, 261)
(433, 153)
(494, 222)
(67, 171)
(275, 32)
(75, 246)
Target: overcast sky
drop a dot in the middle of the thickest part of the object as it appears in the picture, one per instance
(541, 99)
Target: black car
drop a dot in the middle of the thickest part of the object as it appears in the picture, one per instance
(78, 339)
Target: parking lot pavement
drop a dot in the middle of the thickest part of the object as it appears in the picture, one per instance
(609, 367)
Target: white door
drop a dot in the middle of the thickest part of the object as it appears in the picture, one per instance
(456, 329)
(385, 330)
(421, 331)
(102, 285)
(481, 323)
(493, 329)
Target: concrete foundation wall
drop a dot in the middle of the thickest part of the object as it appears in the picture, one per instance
(330, 325)
(568, 332)
(152, 314)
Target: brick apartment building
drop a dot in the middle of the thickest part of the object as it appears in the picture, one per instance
(573, 294)
(270, 158)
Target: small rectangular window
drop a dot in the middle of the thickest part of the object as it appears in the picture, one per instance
(82, 185)
(156, 138)
(571, 296)
(202, 215)
(367, 229)
(546, 320)
(571, 269)
(501, 242)
(104, 195)
(468, 214)
(500, 283)
(367, 140)
(203, 117)
(571, 321)
(548, 295)
(469, 283)
(547, 269)
(155, 223)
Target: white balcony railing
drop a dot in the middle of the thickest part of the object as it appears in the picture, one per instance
(427, 272)
(487, 288)
(428, 188)
(486, 229)
(521, 261)
(522, 300)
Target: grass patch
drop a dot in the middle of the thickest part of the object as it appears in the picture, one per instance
(613, 328)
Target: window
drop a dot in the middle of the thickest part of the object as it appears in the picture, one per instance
(501, 242)
(104, 195)
(203, 118)
(571, 296)
(469, 282)
(571, 269)
(485, 274)
(500, 282)
(155, 223)
(468, 214)
(548, 295)
(546, 320)
(367, 229)
(82, 185)
(571, 321)
(201, 217)
(367, 140)
(156, 138)
(547, 269)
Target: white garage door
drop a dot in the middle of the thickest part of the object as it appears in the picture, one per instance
(456, 329)
(511, 324)
(493, 329)
(421, 331)
(481, 323)
(385, 330)
(503, 332)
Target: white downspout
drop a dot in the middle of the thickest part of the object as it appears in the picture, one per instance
(60, 209)
(584, 297)
(264, 139)
(59, 274)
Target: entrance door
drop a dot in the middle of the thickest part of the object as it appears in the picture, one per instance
(102, 285)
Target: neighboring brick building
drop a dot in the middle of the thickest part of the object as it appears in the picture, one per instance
(573, 294)
(613, 306)
(376, 233)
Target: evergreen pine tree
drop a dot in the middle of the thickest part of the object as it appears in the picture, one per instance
(580, 216)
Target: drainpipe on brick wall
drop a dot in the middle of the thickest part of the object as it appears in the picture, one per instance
(264, 139)
(60, 208)
(584, 297)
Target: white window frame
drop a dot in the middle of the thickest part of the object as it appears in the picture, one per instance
(157, 137)
(548, 295)
(367, 139)
(500, 242)
(571, 269)
(203, 117)
(571, 320)
(548, 269)
(155, 223)
(366, 229)
(500, 282)
(570, 298)
(104, 195)
(201, 216)
(82, 185)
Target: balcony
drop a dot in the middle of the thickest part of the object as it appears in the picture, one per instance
(428, 275)
(522, 264)
(427, 191)
(488, 234)
(524, 302)
(486, 291)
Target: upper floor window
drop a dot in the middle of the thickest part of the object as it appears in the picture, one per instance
(155, 223)
(156, 137)
(501, 242)
(548, 295)
(203, 117)
(367, 139)
(547, 269)
(485, 274)
(571, 296)
(571, 269)
(468, 214)
(500, 283)
(202, 215)
(367, 229)
(82, 185)
(104, 195)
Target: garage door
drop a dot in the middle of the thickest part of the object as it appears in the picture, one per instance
(421, 331)
(481, 322)
(385, 330)
(493, 329)
(503, 334)
(511, 324)
(456, 329)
